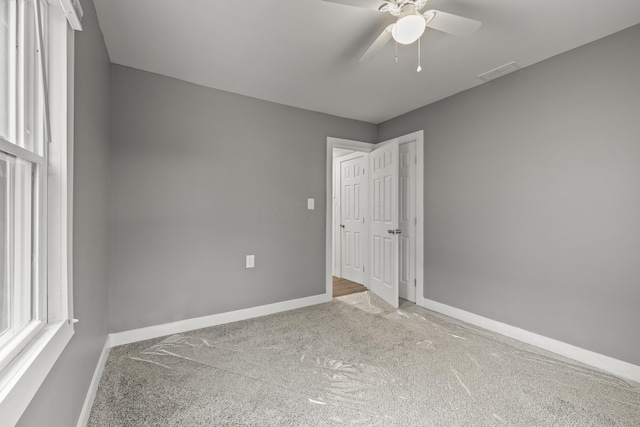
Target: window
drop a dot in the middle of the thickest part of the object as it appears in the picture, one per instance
(35, 144)
(23, 164)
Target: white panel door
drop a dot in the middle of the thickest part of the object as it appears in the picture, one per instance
(353, 206)
(383, 184)
(407, 273)
(337, 231)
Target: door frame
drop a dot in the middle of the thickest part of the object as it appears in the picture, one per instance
(332, 143)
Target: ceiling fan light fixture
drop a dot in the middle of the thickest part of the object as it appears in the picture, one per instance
(408, 29)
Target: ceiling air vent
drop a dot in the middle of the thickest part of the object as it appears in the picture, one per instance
(499, 72)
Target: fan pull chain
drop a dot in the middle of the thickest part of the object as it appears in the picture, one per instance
(396, 51)
(419, 66)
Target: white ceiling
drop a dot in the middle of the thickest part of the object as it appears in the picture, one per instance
(304, 53)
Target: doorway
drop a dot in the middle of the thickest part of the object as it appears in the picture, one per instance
(342, 287)
(354, 239)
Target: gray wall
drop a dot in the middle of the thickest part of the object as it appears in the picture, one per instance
(532, 197)
(201, 178)
(59, 400)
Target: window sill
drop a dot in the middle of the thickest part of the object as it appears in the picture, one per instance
(20, 380)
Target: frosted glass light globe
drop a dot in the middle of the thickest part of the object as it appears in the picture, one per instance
(408, 29)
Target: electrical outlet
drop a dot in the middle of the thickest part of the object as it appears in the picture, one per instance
(311, 204)
(251, 261)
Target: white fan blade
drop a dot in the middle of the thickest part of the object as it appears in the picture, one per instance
(377, 45)
(452, 24)
(364, 4)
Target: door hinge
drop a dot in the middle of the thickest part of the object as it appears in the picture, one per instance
(415, 220)
(415, 283)
(363, 268)
(415, 160)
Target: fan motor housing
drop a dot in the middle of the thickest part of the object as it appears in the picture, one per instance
(402, 8)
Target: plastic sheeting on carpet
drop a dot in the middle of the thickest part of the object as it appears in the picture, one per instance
(354, 361)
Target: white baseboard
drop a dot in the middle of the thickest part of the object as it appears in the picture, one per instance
(588, 357)
(93, 387)
(141, 334)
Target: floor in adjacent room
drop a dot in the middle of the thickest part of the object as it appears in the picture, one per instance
(342, 287)
(354, 361)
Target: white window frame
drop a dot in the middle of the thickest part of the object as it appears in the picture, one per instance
(21, 379)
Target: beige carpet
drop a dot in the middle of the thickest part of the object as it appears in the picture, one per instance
(354, 361)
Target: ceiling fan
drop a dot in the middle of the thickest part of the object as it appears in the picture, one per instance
(411, 22)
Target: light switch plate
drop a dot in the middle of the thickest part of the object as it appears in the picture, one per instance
(251, 261)
(311, 204)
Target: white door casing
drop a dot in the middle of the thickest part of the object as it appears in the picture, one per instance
(353, 208)
(384, 247)
(408, 221)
